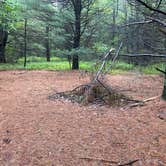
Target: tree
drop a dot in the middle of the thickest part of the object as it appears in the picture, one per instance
(81, 9)
(77, 7)
(3, 41)
(6, 8)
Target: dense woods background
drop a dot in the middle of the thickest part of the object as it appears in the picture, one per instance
(82, 29)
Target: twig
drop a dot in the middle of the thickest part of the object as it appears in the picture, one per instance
(141, 103)
(129, 163)
(150, 99)
(110, 161)
(98, 159)
(136, 104)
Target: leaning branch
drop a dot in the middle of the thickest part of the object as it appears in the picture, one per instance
(138, 23)
(151, 20)
(150, 7)
(164, 72)
(150, 55)
(103, 64)
(157, 21)
(115, 57)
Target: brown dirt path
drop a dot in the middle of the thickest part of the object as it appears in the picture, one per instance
(35, 131)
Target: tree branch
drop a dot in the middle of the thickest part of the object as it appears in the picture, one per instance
(138, 23)
(150, 7)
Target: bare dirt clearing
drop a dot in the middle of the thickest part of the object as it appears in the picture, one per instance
(35, 131)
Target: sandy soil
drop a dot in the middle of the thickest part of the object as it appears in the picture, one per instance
(35, 131)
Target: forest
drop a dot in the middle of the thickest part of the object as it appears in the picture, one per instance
(83, 82)
(81, 30)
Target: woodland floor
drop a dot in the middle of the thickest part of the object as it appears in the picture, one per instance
(36, 131)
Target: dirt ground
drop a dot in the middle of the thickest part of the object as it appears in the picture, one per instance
(36, 131)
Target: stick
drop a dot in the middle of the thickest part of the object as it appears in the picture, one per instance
(103, 64)
(141, 103)
(129, 163)
(115, 57)
(150, 99)
(110, 161)
(136, 104)
(98, 159)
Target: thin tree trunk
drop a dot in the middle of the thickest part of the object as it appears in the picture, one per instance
(127, 28)
(47, 44)
(114, 24)
(77, 34)
(25, 41)
(3, 41)
(164, 90)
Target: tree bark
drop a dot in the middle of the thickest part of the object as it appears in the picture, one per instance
(3, 41)
(77, 34)
(25, 41)
(164, 89)
(47, 44)
(114, 24)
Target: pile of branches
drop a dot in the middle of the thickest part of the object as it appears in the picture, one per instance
(98, 91)
(95, 93)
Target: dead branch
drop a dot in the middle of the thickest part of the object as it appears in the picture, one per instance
(99, 159)
(115, 57)
(129, 163)
(136, 104)
(138, 23)
(158, 21)
(151, 8)
(139, 55)
(142, 103)
(110, 161)
(160, 70)
(151, 20)
(150, 99)
(103, 64)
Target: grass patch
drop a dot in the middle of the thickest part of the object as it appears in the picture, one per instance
(8, 66)
(150, 69)
(57, 63)
(40, 59)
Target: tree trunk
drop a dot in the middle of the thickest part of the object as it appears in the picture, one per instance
(114, 24)
(164, 90)
(25, 41)
(77, 34)
(47, 44)
(126, 30)
(3, 41)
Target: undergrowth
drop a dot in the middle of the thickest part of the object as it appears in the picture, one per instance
(57, 63)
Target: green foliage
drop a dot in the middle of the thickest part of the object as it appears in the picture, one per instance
(7, 14)
(61, 63)
(103, 30)
(31, 59)
(100, 47)
(120, 65)
(150, 69)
